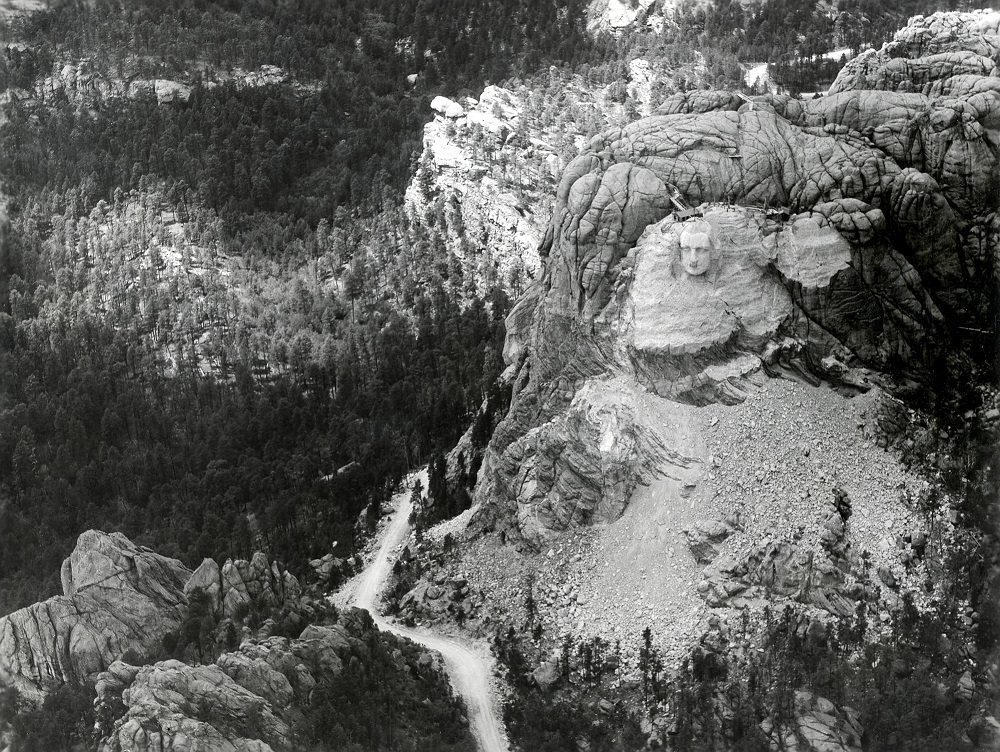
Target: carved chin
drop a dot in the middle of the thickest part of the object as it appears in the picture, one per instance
(695, 270)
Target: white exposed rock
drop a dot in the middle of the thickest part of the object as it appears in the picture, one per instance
(500, 217)
(170, 91)
(641, 79)
(447, 107)
(617, 15)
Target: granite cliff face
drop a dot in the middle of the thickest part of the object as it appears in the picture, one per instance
(699, 395)
(615, 16)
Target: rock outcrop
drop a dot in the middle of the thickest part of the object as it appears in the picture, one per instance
(121, 600)
(84, 82)
(118, 598)
(239, 584)
(940, 54)
(449, 597)
(191, 708)
(615, 16)
(704, 537)
(246, 701)
(329, 570)
(495, 209)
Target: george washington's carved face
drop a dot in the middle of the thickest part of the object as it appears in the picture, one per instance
(696, 249)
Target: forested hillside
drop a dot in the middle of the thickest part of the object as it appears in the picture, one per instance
(208, 307)
(794, 35)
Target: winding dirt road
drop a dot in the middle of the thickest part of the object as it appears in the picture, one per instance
(469, 670)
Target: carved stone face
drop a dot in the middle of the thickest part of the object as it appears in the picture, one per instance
(696, 253)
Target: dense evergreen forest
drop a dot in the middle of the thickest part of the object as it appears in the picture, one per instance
(794, 35)
(781, 29)
(345, 145)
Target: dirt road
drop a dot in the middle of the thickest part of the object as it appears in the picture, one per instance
(468, 668)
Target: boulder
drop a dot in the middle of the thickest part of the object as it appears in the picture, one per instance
(447, 107)
(235, 595)
(704, 537)
(547, 674)
(445, 598)
(887, 577)
(965, 690)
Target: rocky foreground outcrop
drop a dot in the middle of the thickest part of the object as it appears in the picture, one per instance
(248, 700)
(230, 658)
(120, 601)
(117, 598)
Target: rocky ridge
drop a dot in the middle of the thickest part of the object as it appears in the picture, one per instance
(255, 666)
(82, 82)
(945, 53)
(491, 164)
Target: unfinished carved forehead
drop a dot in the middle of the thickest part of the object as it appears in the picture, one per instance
(697, 235)
(696, 240)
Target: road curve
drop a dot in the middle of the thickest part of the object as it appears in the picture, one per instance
(469, 671)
